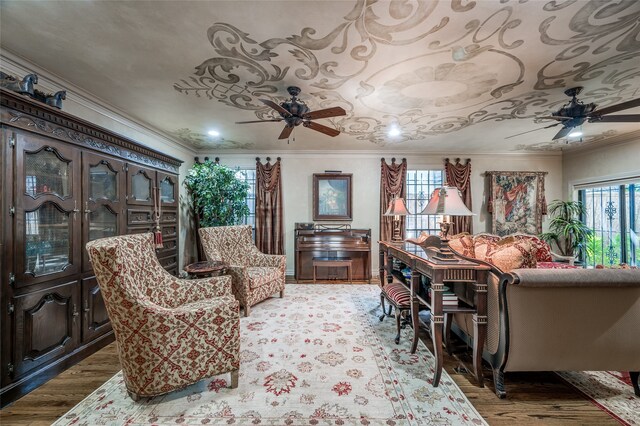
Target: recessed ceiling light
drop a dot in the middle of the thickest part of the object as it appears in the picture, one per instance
(213, 133)
(575, 134)
(393, 131)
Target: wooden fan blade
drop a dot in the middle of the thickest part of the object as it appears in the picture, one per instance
(615, 108)
(554, 117)
(324, 113)
(285, 132)
(534, 130)
(275, 106)
(562, 133)
(322, 129)
(619, 118)
(259, 121)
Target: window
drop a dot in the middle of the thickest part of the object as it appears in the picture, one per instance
(249, 176)
(613, 213)
(420, 186)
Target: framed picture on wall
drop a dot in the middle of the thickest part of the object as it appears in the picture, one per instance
(516, 202)
(332, 196)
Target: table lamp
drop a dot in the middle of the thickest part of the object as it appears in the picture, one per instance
(396, 209)
(446, 201)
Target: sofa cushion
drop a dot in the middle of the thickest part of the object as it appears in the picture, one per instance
(543, 250)
(398, 294)
(481, 244)
(555, 265)
(511, 253)
(463, 244)
(261, 275)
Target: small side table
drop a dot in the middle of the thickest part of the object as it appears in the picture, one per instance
(206, 269)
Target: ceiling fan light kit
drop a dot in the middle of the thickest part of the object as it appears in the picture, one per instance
(295, 112)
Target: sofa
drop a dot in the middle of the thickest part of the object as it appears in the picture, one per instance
(557, 317)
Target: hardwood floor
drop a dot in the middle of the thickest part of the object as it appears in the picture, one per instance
(532, 398)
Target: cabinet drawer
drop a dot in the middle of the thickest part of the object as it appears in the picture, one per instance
(170, 231)
(139, 229)
(139, 216)
(169, 217)
(169, 262)
(169, 248)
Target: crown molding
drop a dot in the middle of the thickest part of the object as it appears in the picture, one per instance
(15, 64)
(372, 154)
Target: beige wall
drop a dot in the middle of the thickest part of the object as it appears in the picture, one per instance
(600, 164)
(298, 170)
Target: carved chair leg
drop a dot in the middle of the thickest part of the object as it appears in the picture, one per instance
(398, 313)
(234, 379)
(498, 383)
(282, 293)
(134, 396)
(382, 304)
(634, 381)
(247, 310)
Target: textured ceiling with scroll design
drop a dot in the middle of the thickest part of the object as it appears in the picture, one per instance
(456, 75)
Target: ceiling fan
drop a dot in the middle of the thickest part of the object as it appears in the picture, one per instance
(575, 113)
(295, 112)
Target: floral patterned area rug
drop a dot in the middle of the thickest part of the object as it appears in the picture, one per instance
(320, 356)
(611, 391)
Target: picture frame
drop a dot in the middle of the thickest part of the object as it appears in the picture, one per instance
(332, 196)
(516, 202)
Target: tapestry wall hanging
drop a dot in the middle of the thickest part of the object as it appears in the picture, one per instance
(516, 202)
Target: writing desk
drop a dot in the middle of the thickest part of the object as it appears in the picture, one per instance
(453, 273)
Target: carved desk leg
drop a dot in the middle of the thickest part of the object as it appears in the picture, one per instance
(381, 267)
(479, 330)
(437, 323)
(415, 306)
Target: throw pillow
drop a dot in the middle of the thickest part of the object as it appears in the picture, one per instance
(511, 253)
(462, 244)
(481, 243)
(543, 250)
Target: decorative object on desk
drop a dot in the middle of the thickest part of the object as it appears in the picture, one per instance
(426, 240)
(460, 176)
(269, 208)
(332, 196)
(304, 225)
(516, 202)
(397, 208)
(393, 179)
(566, 230)
(446, 201)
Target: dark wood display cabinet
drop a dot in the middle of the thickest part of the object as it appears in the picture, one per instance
(65, 182)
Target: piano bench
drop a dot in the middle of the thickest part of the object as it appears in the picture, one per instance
(333, 262)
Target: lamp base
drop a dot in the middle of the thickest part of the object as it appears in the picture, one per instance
(445, 254)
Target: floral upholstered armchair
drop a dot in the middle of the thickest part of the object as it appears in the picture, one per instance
(256, 276)
(170, 332)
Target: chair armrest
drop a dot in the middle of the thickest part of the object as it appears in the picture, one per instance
(268, 260)
(557, 257)
(173, 292)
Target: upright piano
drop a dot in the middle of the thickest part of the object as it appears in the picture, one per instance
(327, 242)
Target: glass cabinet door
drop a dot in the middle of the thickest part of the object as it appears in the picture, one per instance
(168, 185)
(103, 205)
(140, 185)
(47, 203)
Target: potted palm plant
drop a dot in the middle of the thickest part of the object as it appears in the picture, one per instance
(566, 229)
